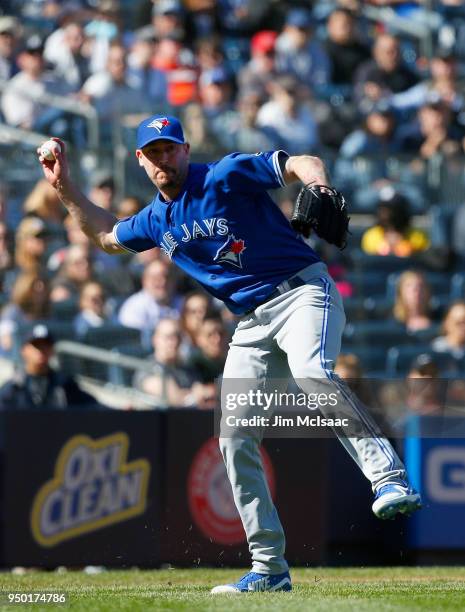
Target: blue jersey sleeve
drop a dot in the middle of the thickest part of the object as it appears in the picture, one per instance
(243, 172)
(135, 233)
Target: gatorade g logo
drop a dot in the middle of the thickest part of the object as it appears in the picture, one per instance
(210, 496)
(93, 487)
(445, 473)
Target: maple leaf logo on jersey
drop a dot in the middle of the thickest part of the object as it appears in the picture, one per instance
(159, 124)
(231, 251)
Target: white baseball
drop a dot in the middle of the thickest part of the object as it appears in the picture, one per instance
(49, 149)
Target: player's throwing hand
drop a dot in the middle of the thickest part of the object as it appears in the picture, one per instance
(55, 170)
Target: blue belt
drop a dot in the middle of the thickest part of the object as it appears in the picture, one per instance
(284, 287)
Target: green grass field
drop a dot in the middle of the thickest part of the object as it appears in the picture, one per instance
(435, 588)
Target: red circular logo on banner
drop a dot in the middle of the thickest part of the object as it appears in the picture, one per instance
(210, 496)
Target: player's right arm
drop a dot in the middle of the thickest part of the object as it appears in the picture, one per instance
(96, 222)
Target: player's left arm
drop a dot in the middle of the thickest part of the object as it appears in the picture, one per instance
(247, 173)
(305, 168)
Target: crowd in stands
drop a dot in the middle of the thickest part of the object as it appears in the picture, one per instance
(289, 74)
(380, 95)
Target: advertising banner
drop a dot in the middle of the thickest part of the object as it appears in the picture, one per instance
(81, 489)
(437, 468)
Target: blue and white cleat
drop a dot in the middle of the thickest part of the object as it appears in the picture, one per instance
(253, 582)
(393, 498)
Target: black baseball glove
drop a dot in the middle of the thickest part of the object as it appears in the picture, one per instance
(323, 210)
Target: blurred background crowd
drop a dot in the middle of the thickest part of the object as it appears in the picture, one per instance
(376, 88)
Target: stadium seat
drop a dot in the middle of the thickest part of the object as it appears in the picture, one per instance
(440, 303)
(425, 335)
(441, 216)
(378, 307)
(124, 376)
(354, 239)
(379, 263)
(110, 335)
(367, 284)
(362, 308)
(400, 358)
(372, 359)
(354, 308)
(65, 310)
(457, 286)
(106, 337)
(376, 333)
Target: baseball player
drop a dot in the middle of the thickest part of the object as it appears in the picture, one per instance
(217, 222)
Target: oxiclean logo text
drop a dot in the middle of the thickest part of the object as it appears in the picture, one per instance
(93, 487)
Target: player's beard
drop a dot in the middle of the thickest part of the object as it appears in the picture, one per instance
(169, 177)
(173, 178)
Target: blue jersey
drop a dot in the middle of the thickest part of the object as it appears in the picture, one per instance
(224, 230)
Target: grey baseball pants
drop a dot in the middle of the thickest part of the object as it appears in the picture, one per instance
(299, 331)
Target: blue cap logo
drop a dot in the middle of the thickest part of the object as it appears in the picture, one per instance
(159, 124)
(159, 128)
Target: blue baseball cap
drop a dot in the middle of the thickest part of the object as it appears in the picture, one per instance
(159, 127)
(300, 18)
(38, 333)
